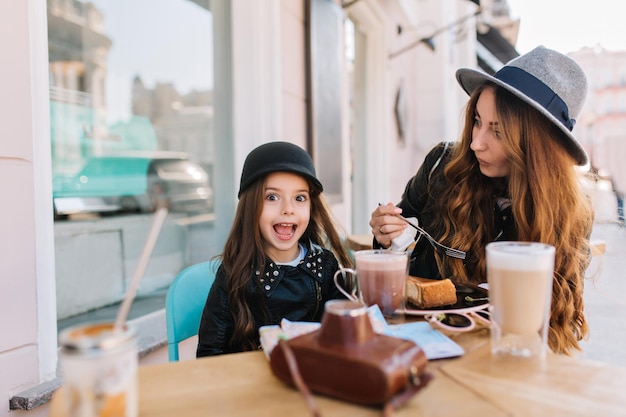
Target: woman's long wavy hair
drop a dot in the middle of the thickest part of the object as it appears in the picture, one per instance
(244, 253)
(547, 203)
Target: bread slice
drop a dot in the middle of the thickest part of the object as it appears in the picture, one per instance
(428, 293)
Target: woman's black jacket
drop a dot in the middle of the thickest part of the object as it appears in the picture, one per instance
(418, 200)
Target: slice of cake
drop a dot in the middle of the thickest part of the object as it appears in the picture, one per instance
(428, 293)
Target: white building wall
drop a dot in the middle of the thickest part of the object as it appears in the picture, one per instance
(292, 72)
(434, 100)
(600, 127)
(27, 291)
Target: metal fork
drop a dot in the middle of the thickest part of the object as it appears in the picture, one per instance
(453, 253)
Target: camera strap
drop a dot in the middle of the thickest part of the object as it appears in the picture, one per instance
(292, 364)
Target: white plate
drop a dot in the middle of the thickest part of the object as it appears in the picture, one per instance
(478, 307)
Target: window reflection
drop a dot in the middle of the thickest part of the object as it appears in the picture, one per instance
(131, 110)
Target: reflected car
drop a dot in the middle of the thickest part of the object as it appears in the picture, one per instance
(134, 182)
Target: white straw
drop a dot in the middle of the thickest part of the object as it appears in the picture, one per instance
(153, 235)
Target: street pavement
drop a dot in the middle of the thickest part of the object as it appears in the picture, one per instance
(605, 297)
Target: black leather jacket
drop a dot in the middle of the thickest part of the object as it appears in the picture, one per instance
(418, 200)
(297, 293)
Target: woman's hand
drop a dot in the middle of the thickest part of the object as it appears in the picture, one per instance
(385, 225)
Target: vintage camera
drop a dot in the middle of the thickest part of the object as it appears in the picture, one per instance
(346, 359)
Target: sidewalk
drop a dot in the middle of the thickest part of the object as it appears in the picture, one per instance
(605, 298)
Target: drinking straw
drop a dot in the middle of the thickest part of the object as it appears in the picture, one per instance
(153, 234)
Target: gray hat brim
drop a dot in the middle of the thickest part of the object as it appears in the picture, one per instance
(470, 79)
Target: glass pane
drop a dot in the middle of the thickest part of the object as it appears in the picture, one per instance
(131, 109)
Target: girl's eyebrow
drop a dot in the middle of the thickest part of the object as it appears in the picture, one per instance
(303, 190)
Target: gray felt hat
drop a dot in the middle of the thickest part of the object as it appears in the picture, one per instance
(549, 81)
(277, 157)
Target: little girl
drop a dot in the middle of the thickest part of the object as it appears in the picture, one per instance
(275, 264)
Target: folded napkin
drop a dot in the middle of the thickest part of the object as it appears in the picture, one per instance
(406, 238)
(435, 344)
(289, 329)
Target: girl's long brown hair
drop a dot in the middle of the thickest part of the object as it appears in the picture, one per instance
(547, 202)
(244, 253)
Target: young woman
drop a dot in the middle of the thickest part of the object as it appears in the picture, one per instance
(511, 176)
(275, 263)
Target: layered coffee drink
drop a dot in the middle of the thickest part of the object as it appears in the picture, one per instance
(521, 308)
(99, 368)
(520, 278)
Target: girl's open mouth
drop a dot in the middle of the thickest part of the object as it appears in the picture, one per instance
(285, 230)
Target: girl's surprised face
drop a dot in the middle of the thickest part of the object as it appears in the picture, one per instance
(285, 216)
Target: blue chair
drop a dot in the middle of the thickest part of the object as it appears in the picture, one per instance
(185, 301)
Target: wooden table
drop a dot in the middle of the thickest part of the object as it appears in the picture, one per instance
(476, 384)
(242, 385)
(560, 386)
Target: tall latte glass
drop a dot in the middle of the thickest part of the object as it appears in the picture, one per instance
(520, 292)
(381, 277)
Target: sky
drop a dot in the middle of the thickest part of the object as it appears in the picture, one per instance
(568, 25)
(166, 41)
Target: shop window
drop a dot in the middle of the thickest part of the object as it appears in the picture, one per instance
(131, 112)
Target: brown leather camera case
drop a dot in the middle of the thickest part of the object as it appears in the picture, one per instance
(346, 359)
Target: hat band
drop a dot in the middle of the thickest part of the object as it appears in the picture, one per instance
(535, 89)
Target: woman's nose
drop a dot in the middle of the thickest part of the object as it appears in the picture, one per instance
(478, 142)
